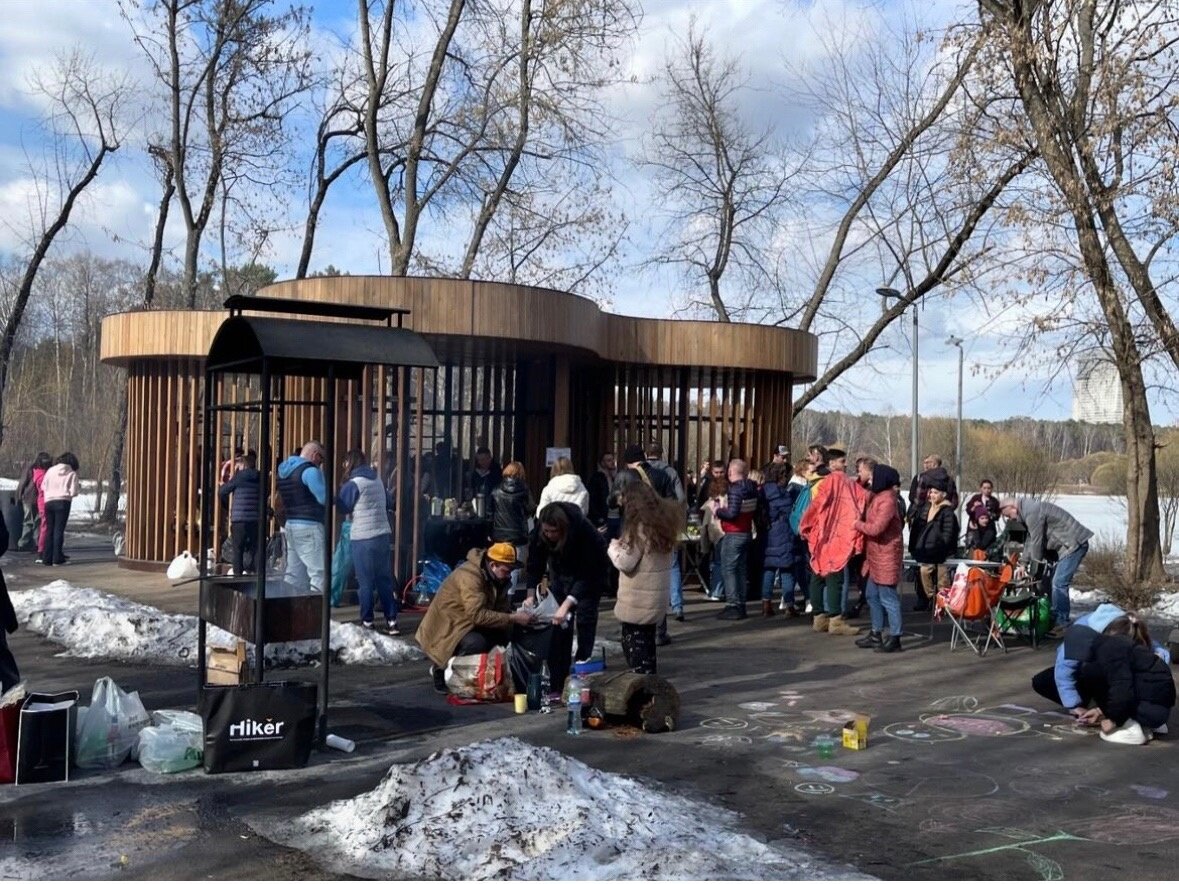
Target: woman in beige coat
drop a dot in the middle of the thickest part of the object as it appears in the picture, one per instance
(644, 555)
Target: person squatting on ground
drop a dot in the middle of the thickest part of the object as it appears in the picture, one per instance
(933, 538)
(243, 511)
(571, 553)
(364, 497)
(884, 550)
(781, 558)
(9, 673)
(736, 520)
(1109, 672)
(828, 526)
(471, 612)
(644, 555)
(59, 488)
(33, 502)
(1050, 530)
(303, 492)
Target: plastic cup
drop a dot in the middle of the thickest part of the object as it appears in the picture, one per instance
(826, 747)
(521, 703)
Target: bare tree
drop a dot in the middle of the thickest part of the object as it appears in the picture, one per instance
(84, 128)
(722, 183)
(230, 72)
(503, 99)
(1057, 55)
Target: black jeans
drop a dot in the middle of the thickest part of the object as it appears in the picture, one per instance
(243, 536)
(57, 513)
(1091, 684)
(638, 644)
(480, 641)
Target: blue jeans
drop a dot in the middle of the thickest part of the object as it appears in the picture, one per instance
(1063, 579)
(677, 585)
(716, 587)
(735, 568)
(305, 549)
(373, 561)
(881, 600)
(787, 577)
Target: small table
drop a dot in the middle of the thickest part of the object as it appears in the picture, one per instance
(692, 561)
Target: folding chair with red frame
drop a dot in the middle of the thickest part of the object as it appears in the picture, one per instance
(974, 600)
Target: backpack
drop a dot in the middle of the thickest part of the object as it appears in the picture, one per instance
(800, 504)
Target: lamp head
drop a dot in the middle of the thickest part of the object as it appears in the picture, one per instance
(955, 341)
(886, 292)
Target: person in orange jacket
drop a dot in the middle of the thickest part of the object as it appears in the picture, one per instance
(828, 526)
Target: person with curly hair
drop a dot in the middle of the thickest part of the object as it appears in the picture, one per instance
(644, 555)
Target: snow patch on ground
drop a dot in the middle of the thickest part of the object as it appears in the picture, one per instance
(91, 623)
(505, 809)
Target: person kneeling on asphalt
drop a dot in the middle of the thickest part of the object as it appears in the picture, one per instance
(471, 613)
(1108, 661)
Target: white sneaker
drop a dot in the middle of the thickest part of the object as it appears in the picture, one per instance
(1161, 731)
(1129, 734)
(808, 609)
(783, 605)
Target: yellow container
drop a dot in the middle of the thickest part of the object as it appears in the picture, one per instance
(855, 733)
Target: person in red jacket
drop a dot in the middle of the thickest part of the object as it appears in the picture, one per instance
(884, 550)
(828, 528)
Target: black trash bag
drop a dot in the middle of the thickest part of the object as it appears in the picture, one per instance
(527, 654)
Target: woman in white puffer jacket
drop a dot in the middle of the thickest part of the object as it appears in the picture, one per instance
(565, 485)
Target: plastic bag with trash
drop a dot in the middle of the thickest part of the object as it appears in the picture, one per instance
(111, 726)
(173, 743)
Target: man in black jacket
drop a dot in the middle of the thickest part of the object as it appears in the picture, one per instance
(933, 538)
(567, 549)
(934, 474)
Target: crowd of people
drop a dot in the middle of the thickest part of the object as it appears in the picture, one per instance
(813, 537)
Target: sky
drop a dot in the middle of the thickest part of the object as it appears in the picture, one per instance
(117, 215)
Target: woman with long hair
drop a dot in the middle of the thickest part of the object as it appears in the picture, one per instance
(1140, 691)
(564, 486)
(365, 497)
(644, 554)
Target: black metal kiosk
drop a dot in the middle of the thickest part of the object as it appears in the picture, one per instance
(258, 608)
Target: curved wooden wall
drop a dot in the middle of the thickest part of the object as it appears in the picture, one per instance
(452, 313)
(523, 368)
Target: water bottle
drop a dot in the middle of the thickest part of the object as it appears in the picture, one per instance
(573, 703)
(545, 686)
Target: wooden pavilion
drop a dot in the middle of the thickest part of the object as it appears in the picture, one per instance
(521, 370)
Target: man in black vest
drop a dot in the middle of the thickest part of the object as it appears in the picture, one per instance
(304, 493)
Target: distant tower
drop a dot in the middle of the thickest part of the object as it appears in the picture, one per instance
(1097, 393)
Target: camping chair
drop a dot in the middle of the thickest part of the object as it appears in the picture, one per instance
(974, 601)
(1022, 602)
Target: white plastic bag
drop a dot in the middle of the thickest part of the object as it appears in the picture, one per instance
(170, 748)
(111, 727)
(184, 567)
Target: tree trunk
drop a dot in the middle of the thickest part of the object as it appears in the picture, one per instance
(1144, 556)
(110, 512)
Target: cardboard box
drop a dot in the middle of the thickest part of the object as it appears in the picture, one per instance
(45, 737)
(855, 733)
(226, 666)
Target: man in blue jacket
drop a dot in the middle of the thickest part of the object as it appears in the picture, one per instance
(304, 496)
(1075, 685)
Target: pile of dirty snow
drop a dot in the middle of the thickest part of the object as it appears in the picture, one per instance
(91, 623)
(505, 809)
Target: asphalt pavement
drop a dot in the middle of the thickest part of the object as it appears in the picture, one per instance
(967, 774)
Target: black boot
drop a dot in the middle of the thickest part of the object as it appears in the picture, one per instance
(439, 676)
(922, 603)
(871, 640)
(890, 646)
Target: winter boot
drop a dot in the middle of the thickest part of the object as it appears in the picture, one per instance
(871, 640)
(890, 646)
(821, 622)
(839, 626)
(767, 608)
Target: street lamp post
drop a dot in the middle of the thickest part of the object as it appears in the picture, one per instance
(955, 341)
(915, 418)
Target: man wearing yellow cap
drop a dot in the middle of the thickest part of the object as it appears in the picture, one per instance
(471, 613)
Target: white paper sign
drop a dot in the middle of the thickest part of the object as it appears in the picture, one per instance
(551, 455)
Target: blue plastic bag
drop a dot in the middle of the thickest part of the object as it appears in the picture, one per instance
(430, 580)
